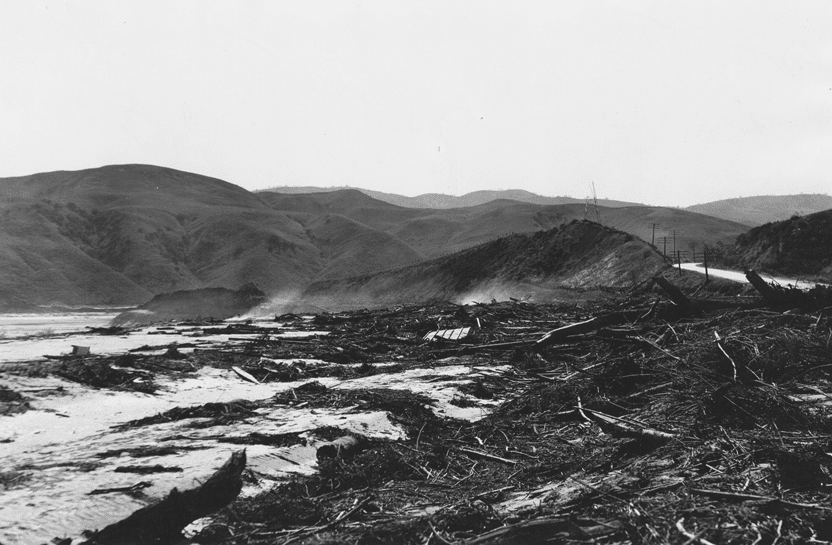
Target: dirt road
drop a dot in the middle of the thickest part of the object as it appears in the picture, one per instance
(737, 276)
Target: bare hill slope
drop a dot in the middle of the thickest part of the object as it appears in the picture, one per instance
(120, 234)
(801, 246)
(581, 254)
(435, 232)
(754, 211)
(443, 201)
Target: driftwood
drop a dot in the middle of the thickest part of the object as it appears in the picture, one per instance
(245, 375)
(769, 292)
(485, 455)
(342, 446)
(493, 346)
(164, 521)
(545, 530)
(679, 299)
(586, 326)
(733, 496)
(624, 427)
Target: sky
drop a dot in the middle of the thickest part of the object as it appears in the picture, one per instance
(665, 103)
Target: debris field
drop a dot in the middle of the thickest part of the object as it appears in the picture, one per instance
(650, 417)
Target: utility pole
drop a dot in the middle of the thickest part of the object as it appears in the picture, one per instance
(653, 238)
(705, 259)
(595, 202)
(674, 240)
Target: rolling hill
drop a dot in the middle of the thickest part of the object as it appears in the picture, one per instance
(118, 235)
(754, 211)
(434, 232)
(443, 201)
(797, 247)
(580, 254)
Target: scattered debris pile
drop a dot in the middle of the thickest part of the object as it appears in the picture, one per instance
(12, 402)
(637, 420)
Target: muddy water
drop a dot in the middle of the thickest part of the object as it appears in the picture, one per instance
(56, 447)
(24, 349)
(14, 326)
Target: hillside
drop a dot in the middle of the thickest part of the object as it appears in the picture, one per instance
(204, 303)
(443, 201)
(799, 247)
(433, 232)
(692, 229)
(580, 254)
(755, 211)
(118, 235)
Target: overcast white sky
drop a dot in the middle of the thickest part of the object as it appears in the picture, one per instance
(671, 103)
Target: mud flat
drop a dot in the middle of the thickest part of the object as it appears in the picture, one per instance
(630, 420)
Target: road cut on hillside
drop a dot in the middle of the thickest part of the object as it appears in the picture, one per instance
(737, 276)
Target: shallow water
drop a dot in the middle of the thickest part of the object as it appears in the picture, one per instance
(24, 349)
(56, 445)
(14, 326)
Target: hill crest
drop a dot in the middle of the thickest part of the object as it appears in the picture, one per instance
(441, 201)
(578, 255)
(797, 247)
(117, 235)
(762, 209)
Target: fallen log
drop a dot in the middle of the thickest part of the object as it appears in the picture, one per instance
(675, 294)
(486, 455)
(628, 428)
(734, 496)
(544, 530)
(494, 346)
(245, 375)
(164, 521)
(586, 326)
(769, 292)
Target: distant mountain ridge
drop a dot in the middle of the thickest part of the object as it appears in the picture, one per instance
(442, 201)
(754, 211)
(748, 211)
(120, 234)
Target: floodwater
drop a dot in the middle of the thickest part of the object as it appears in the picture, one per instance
(15, 326)
(59, 341)
(56, 447)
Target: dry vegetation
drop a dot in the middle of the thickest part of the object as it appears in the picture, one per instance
(800, 246)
